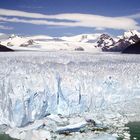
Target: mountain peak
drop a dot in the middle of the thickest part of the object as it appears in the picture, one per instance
(130, 33)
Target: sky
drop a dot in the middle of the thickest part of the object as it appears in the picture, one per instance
(68, 17)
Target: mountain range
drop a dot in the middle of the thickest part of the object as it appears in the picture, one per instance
(83, 42)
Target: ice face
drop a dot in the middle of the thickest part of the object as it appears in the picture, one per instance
(33, 85)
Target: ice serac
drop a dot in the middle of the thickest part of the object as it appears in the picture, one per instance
(33, 85)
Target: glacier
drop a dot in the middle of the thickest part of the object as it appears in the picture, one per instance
(35, 84)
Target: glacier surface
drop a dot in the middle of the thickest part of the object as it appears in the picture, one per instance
(33, 85)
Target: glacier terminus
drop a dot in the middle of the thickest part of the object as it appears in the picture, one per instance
(36, 85)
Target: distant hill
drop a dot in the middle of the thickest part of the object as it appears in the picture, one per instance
(5, 49)
(133, 49)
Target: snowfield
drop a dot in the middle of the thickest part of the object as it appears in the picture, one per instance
(33, 85)
(47, 43)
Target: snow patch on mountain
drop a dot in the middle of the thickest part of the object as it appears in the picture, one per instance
(91, 38)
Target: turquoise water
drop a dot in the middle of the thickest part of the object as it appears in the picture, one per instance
(134, 128)
(5, 137)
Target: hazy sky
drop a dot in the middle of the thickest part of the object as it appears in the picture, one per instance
(68, 17)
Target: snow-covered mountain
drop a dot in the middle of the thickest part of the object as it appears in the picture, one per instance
(109, 43)
(83, 42)
(131, 33)
(105, 40)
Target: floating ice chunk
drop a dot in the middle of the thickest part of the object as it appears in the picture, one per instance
(71, 128)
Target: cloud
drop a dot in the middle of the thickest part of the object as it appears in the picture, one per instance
(80, 20)
(135, 16)
(99, 29)
(17, 13)
(5, 27)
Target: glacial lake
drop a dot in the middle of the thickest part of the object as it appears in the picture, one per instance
(5, 137)
(134, 128)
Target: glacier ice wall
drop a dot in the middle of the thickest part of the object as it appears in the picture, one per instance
(33, 85)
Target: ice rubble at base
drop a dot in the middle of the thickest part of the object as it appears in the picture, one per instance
(33, 85)
(56, 127)
(76, 128)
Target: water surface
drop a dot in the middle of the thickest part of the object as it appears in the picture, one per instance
(134, 128)
(6, 137)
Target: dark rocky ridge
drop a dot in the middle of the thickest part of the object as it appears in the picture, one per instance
(5, 49)
(133, 49)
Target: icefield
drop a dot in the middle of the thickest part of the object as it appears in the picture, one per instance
(33, 85)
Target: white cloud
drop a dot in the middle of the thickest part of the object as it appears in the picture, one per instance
(81, 20)
(7, 12)
(99, 29)
(5, 27)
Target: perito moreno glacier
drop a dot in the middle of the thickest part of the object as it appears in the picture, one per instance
(33, 86)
